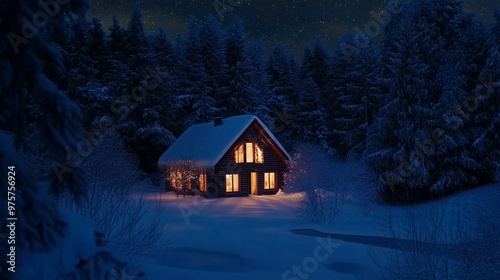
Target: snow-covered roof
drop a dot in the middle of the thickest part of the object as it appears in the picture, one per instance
(206, 144)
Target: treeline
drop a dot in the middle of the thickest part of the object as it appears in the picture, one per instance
(420, 103)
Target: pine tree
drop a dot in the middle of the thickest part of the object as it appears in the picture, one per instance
(398, 147)
(197, 104)
(117, 38)
(211, 59)
(40, 227)
(496, 29)
(309, 119)
(239, 87)
(260, 82)
(486, 98)
(359, 95)
(78, 57)
(98, 47)
(163, 50)
(136, 48)
(315, 61)
(164, 96)
(339, 64)
(284, 96)
(148, 138)
(117, 77)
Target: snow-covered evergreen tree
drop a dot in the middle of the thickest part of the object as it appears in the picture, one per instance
(117, 37)
(359, 95)
(259, 78)
(116, 77)
(339, 64)
(98, 47)
(239, 84)
(197, 104)
(147, 138)
(315, 61)
(136, 46)
(282, 69)
(42, 230)
(309, 119)
(164, 95)
(210, 56)
(163, 49)
(398, 141)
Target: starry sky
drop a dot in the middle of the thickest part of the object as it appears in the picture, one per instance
(294, 23)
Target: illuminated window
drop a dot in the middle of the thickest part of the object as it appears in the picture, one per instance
(249, 152)
(252, 153)
(232, 183)
(238, 154)
(203, 182)
(270, 181)
(259, 154)
(175, 179)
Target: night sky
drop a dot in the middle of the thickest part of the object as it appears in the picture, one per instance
(293, 23)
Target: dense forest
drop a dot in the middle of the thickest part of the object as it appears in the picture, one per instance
(419, 102)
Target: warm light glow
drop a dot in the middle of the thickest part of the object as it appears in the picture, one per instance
(203, 182)
(259, 154)
(270, 181)
(238, 154)
(175, 179)
(232, 183)
(250, 152)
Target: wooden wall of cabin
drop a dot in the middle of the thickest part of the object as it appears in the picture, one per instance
(227, 165)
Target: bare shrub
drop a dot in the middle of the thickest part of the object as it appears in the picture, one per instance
(311, 171)
(441, 244)
(484, 254)
(124, 217)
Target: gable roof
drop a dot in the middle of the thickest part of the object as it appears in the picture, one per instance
(206, 144)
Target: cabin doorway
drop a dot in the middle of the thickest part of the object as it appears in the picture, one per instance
(253, 183)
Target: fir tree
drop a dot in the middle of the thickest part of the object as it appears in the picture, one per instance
(414, 50)
(211, 58)
(309, 119)
(117, 37)
(191, 86)
(282, 71)
(359, 95)
(240, 90)
(260, 82)
(163, 50)
(99, 47)
(40, 227)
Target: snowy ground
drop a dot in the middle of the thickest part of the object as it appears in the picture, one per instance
(249, 237)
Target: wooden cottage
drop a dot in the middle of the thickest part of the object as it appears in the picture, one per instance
(227, 157)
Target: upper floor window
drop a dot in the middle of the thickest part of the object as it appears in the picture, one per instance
(248, 152)
(239, 154)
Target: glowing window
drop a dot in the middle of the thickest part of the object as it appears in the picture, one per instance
(203, 182)
(259, 154)
(232, 183)
(238, 154)
(249, 152)
(175, 180)
(270, 180)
